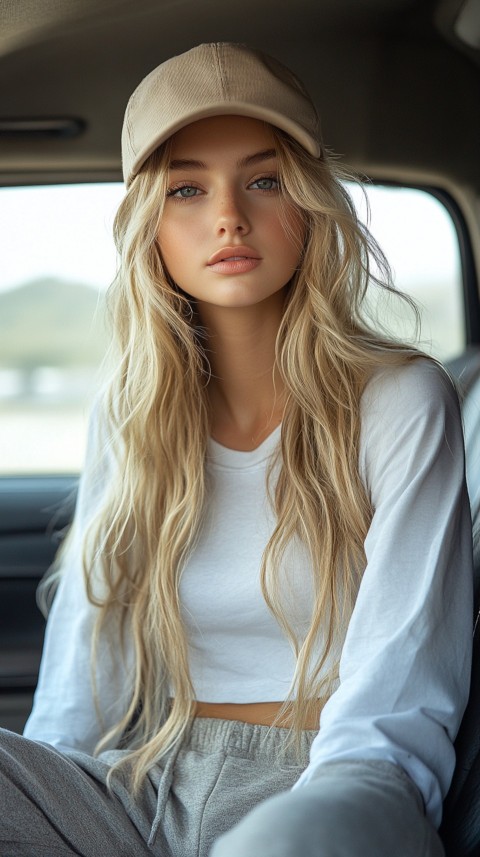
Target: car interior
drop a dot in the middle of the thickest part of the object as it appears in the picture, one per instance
(397, 86)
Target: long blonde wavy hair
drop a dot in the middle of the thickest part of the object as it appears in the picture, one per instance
(157, 415)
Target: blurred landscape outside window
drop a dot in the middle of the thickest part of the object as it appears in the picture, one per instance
(58, 259)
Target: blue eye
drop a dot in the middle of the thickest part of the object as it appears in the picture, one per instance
(184, 192)
(266, 183)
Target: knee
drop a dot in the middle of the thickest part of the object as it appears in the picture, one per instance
(348, 812)
(278, 827)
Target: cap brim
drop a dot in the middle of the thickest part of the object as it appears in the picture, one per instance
(278, 120)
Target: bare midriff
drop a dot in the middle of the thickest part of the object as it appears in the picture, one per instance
(261, 713)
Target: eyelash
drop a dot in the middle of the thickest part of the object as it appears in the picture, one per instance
(173, 191)
(271, 178)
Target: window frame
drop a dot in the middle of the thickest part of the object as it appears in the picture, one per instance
(468, 270)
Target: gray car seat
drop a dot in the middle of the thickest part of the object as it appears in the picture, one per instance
(460, 829)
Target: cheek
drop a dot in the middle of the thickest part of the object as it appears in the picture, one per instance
(169, 243)
(290, 216)
(180, 240)
(292, 232)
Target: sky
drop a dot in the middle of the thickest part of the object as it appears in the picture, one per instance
(65, 231)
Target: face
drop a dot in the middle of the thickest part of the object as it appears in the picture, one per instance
(228, 237)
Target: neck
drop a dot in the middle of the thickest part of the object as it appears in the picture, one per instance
(246, 395)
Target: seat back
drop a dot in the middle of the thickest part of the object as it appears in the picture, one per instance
(460, 830)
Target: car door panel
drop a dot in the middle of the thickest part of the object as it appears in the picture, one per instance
(34, 512)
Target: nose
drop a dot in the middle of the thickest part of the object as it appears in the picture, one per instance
(231, 217)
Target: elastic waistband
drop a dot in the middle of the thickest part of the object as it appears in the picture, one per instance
(249, 740)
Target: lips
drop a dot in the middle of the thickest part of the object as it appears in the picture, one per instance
(233, 254)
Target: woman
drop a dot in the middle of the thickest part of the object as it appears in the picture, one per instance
(272, 523)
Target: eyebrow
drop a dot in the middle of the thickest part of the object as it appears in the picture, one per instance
(247, 161)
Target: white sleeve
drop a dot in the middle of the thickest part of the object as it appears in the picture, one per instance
(405, 664)
(64, 712)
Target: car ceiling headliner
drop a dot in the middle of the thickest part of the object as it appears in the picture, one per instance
(28, 21)
(395, 88)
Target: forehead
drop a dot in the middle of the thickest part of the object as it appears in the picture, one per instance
(217, 134)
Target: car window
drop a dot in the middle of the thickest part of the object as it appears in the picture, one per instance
(417, 234)
(58, 260)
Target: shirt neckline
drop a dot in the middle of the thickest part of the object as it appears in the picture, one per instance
(222, 456)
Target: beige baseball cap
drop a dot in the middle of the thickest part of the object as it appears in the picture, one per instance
(220, 78)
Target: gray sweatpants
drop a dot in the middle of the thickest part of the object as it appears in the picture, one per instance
(55, 805)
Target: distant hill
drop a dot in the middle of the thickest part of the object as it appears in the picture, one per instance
(49, 322)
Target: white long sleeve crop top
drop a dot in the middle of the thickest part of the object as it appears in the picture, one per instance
(405, 661)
